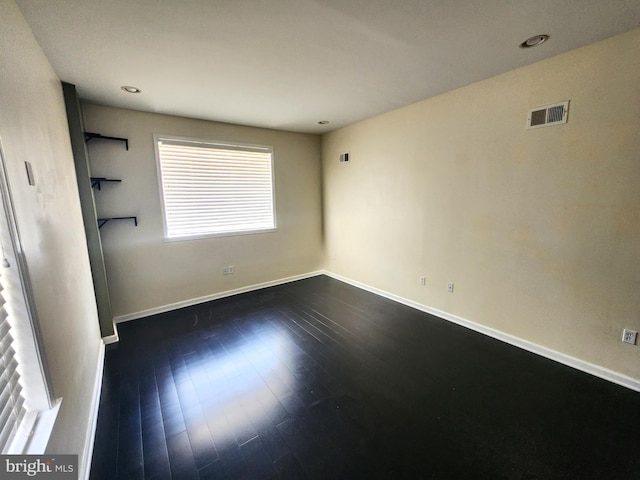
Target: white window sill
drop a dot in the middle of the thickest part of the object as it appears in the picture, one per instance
(35, 432)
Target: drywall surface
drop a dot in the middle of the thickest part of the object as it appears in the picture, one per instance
(144, 271)
(33, 127)
(539, 230)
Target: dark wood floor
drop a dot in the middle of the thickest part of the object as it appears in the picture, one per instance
(317, 379)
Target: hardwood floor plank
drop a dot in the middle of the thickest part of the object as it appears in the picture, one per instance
(317, 379)
(181, 459)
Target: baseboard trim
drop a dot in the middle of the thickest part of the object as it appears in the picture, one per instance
(587, 367)
(109, 339)
(214, 296)
(87, 455)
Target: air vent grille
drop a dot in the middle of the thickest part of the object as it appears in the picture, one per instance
(538, 117)
(548, 115)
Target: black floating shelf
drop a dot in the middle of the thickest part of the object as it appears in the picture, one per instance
(88, 136)
(103, 221)
(97, 181)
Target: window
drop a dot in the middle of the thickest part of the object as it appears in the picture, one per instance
(214, 188)
(12, 409)
(27, 408)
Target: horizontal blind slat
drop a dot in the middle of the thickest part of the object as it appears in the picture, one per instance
(214, 187)
(12, 409)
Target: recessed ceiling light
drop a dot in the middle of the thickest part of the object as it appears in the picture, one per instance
(323, 122)
(130, 89)
(534, 41)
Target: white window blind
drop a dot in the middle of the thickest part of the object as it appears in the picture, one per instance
(211, 188)
(12, 409)
(27, 411)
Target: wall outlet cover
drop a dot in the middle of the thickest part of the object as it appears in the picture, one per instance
(629, 336)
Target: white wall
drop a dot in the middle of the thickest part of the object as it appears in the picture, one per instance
(145, 272)
(539, 230)
(33, 127)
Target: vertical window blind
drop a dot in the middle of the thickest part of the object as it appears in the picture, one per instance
(12, 409)
(214, 188)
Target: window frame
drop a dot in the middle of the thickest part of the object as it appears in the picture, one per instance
(214, 144)
(35, 428)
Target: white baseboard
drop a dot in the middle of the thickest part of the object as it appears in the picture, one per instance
(85, 461)
(596, 370)
(214, 296)
(109, 339)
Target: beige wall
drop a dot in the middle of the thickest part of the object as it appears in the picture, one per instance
(33, 127)
(145, 272)
(539, 230)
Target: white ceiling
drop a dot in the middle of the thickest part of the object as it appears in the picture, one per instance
(287, 64)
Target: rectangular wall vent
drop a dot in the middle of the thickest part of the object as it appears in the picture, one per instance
(344, 157)
(548, 115)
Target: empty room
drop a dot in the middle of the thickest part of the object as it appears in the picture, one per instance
(320, 239)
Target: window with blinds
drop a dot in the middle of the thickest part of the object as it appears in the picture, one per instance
(27, 409)
(12, 409)
(213, 188)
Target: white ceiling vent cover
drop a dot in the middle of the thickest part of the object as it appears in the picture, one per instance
(549, 115)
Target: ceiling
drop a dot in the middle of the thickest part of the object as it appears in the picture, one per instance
(287, 64)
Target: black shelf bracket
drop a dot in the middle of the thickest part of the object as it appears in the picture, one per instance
(97, 181)
(88, 136)
(103, 221)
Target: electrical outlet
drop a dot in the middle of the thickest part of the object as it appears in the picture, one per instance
(450, 287)
(629, 336)
(228, 270)
(422, 280)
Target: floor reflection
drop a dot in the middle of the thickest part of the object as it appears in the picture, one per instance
(235, 386)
